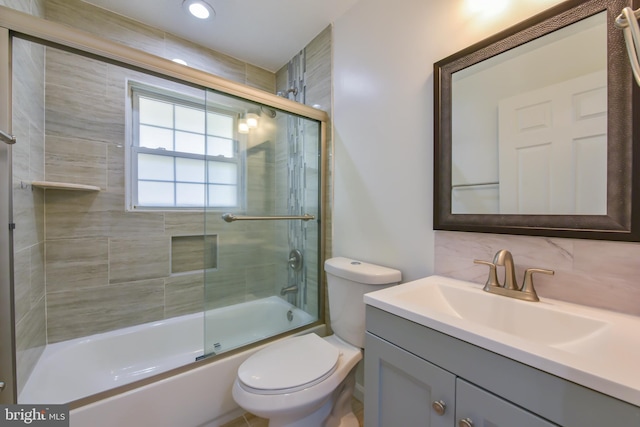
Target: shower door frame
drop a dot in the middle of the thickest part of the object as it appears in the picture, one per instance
(7, 330)
(48, 33)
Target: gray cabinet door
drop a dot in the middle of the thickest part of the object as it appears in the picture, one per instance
(400, 388)
(483, 409)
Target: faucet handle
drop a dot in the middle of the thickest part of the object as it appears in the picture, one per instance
(527, 285)
(492, 280)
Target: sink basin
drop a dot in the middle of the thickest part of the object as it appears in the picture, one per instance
(596, 348)
(537, 322)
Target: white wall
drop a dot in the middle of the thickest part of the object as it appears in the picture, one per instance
(383, 121)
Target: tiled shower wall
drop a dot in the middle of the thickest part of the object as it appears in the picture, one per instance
(107, 268)
(101, 259)
(310, 73)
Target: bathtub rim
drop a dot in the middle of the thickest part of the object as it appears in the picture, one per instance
(87, 400)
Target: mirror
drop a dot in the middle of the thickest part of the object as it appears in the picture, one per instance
(534, 129)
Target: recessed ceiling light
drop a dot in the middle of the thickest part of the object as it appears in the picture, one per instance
(199, 8)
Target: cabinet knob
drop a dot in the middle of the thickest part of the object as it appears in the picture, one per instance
(465, 423)
(439, 407)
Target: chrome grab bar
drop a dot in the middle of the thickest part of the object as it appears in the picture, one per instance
(229, 217)
(5, 137)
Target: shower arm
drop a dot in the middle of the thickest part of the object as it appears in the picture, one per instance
(627, 21)
(229, 217)
(6, 138)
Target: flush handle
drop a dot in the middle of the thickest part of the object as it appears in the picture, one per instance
(439, 407)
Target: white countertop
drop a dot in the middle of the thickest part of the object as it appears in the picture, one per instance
(595, 348)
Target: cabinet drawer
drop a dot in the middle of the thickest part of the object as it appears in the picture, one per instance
(484, 409)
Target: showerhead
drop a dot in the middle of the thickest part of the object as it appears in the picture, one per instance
(269, 112)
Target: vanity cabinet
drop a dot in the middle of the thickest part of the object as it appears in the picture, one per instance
(417, 376)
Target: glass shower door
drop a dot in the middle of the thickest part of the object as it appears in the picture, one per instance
(263, 214)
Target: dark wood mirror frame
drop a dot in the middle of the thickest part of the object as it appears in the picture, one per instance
(622, 221)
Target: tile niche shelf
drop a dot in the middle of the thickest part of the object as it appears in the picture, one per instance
(52, 185)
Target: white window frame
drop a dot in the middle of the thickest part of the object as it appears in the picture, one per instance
(135, 90)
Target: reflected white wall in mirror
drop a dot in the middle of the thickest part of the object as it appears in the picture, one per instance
(532, 177)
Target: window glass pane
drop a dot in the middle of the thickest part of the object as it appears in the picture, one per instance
(190, 119)
(219, 147)
(154, 167)
(190, 170)
(223, 195)
(151, 193)
(154, 137)
(223, 173)
(189, 142)
(220, 125)
(153, 112)
(190, 194)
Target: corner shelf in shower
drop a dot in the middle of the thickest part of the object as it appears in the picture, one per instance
(51, 185)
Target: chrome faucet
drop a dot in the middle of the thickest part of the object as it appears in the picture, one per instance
(289, 290)
(503, 258)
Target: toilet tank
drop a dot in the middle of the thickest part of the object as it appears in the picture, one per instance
(347, 282)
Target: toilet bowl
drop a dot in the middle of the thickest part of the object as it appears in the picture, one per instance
(308, 381)
(287, 397)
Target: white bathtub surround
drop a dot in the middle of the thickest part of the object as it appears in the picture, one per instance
(199, 397)
(81, 367)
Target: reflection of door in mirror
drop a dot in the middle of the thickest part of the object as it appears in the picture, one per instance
(552, 149)
(554, 59)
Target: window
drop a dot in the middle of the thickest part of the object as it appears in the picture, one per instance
(183, 155)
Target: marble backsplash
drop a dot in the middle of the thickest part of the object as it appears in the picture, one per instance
(597, 273)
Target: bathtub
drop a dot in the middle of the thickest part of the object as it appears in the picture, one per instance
(81, 367)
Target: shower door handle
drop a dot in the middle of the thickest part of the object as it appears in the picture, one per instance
(6, 138)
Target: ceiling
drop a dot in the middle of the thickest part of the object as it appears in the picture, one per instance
(265, 33)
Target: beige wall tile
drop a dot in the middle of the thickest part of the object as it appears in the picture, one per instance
(115, 169)
(83, 115)
(30, 341)
(82, 312)
(137, 259)
(22, 282)
(103, 23)
(224, 287)
(204, 59)
(28, 80)
(74, 214)
(75, 72)
(28, 215)
(260, 78)
(318, 71)
(261, 280)
(184, 294)
(36, 152)
(77, 263)
(76, 161)
(37, 273)
(21, 150)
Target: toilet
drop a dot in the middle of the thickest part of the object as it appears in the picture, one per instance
(308, 381)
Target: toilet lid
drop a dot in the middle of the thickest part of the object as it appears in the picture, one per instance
(294, 363)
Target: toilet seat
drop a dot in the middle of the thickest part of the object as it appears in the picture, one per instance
(288, 366)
